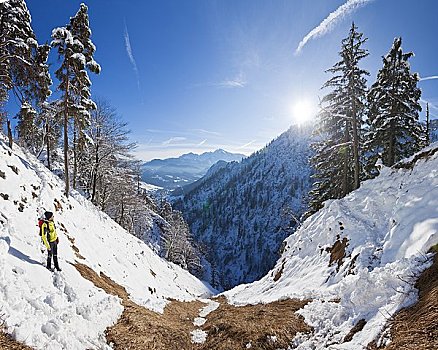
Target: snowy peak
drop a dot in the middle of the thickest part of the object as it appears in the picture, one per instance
(358, 257)
(172, 173)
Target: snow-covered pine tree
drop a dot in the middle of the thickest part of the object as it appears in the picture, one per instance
(32, 124)
(80, 28)
(23, 67)
(75, 47)
(30, 134)
(393, 117)
(338, 151)
(51, 118)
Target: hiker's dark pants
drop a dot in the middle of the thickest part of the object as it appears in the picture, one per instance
(53, 252)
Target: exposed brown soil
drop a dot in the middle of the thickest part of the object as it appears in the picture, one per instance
(141, 328)
(279, 272)
(337, 252)
(356, 329)
(7, 343)
(264, 326)
(416, 327)
(72, 241)
(228, 327)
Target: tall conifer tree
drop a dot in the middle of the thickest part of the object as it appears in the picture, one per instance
(23, 67)
(394, 128)
(75, 47)
(338, 152)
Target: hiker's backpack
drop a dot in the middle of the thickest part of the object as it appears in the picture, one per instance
(40, 225)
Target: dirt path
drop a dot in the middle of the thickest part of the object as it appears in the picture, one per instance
(261, 326)
(269, 326)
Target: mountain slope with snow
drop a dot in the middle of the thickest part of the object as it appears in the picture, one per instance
(63, 310)
(173, 173)
(243, 211)
(358, 257)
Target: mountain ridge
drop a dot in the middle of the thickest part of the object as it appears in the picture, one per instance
(171, 173)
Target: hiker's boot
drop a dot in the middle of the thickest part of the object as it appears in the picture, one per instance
(55, 261)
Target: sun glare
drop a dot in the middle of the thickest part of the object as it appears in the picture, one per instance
(302, 111)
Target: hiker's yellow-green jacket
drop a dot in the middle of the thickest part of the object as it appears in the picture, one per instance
(48, 233)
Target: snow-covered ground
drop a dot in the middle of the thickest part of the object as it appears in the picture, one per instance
(198, 335)
(62, 310)
(149, 188)
(388, 225)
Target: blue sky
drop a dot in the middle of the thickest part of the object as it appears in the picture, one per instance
(196, 75)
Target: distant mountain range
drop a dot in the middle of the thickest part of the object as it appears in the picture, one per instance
(173, 173)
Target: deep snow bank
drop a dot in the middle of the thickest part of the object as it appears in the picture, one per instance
(63, 310)
(358, 257)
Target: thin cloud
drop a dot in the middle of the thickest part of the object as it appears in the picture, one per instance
(128, 48)
(246, 144)
(208, 132)
(174, 140)
(230, 84)
(331, 21)
(236, 82)
(432, 77)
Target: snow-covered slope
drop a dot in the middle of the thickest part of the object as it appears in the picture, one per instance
(358, 257)
(63, 310)
(243, 211)
(173, 173)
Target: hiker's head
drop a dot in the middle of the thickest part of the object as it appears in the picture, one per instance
(48, 215)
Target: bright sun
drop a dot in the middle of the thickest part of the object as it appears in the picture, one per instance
(303, 111)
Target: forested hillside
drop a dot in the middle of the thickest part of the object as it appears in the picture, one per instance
(241, 212)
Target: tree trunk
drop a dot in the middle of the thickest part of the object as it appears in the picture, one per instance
(355, 125)
(48, 145)
(75, 157)
(67, 180)
(427, 125)
(391, 148)
(103, 195)
(10, 139)
(96, 166)
(355, 148)
(345, 187)
(122, 213)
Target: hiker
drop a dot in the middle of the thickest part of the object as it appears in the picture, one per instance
(50, 239)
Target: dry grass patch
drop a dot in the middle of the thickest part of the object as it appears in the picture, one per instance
(416, 327)
(264, 326)
(141, 328)
(7, 342)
